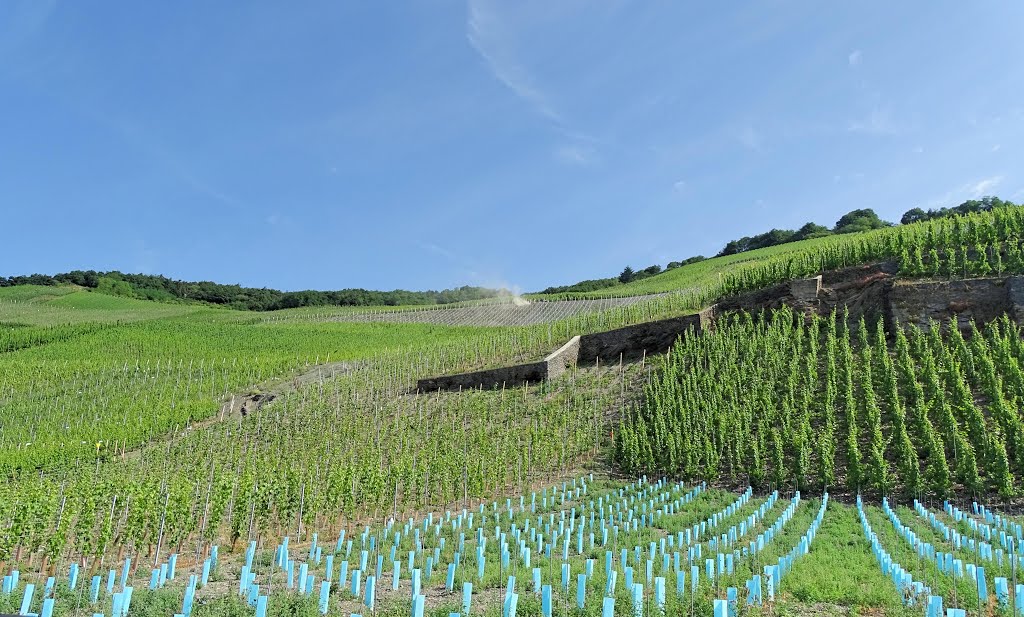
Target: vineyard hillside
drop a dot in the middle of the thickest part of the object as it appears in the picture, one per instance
(726, 475)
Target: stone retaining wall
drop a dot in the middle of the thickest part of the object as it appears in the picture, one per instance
(649, 337)
(508, 376)
(953, 302)
(805, 294)
(629, 342)
(1015, 296)
(567, 355)
(862, 290)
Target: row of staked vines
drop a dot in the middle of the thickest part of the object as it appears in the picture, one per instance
(100, 453)
(73, 392)
(989, 258)
(356, 447)
(974, 245)
(783, 401)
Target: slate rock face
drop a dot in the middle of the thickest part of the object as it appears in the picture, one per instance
(951, 302)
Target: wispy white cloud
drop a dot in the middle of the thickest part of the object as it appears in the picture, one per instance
(982, 187)
(498, 35)
(878, 122)
(151, 146)
(968, 190)
(749, 137)
(854, 176)
(854, 58)
(472, 271)
(918, 149)
(679, 186)
(437, 250)
(281, 222)
(488, 35)
(997, 147)
(201, 186)
(575, 154)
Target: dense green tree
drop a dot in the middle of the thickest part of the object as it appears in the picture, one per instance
(914, 215)
(812, 230)
(862, 219)
(584, 286)
(689, 260)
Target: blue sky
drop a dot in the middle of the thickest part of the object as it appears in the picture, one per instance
(520, 143)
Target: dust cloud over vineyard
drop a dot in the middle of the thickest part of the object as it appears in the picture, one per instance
(188, 459)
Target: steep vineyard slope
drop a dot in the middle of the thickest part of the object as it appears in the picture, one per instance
(785, 401)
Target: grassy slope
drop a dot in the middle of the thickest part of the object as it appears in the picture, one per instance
(78, 367)
(702, 274)
(158, 365)
(50, 306)
(702, 280)
(39, 305)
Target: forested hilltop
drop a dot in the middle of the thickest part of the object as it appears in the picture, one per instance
(164, 289)
(855, 221)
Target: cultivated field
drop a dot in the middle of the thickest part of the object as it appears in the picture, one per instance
(508, 312)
